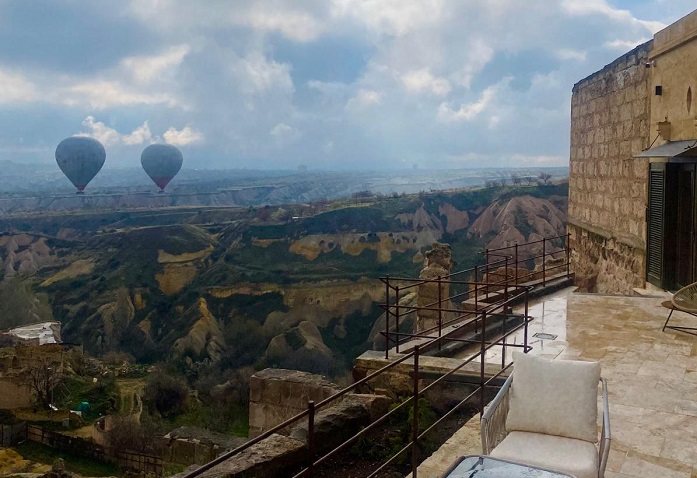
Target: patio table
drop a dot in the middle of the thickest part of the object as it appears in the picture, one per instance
(477, 466)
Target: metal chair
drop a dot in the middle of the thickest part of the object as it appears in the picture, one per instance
(493, 425)
(684, 300)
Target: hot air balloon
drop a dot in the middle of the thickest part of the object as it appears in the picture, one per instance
(80, 158)
(161, 162)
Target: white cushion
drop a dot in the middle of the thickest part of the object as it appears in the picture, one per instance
(578, 458)
(555, 397)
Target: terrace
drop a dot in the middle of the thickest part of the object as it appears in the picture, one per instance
(652, 380)
(490, 312)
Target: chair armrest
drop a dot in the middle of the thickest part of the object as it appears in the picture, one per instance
(605, 436)
(493, 422)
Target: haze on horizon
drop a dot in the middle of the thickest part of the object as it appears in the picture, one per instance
(331, 84)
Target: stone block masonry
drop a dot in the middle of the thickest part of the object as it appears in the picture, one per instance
(275, 395)
(610, 123)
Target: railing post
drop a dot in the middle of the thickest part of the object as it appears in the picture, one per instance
(311, 435)
(516, 264)
(525, 321)
(486, 288)
(396, 325)
(544, 263)
(415, 417)
(387, 317)
(440, 309)
(476, 288)
(568, 249)
(505, 282)
(482, 352)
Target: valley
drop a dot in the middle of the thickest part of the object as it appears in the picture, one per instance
(216, 293)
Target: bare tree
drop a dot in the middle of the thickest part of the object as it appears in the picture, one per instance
(544, 177)
(42, 378)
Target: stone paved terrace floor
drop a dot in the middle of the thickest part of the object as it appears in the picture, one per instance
(652, 381)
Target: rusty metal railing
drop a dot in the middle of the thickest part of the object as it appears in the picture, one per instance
(487, 286)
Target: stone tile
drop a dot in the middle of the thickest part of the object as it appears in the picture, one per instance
(612, 474)
(680, 446)
(661, 370)
(637, 437)
(647, 466)
(615, 460)
(686, 407)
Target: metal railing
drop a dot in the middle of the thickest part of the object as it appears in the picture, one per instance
(492, 322)
(492, 283)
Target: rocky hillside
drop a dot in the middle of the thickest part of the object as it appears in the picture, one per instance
(286, 286)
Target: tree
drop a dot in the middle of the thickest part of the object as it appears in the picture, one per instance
(166, 393)
(126, 433)
(544, 177)
(42, 378)
(516, 180)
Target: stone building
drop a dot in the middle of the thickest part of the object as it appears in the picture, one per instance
(632, 179)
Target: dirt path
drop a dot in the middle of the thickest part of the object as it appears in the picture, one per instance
(131, 391)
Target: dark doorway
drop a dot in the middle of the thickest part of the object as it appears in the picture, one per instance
(671, 222)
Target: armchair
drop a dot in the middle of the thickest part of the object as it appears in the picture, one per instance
(546, 415)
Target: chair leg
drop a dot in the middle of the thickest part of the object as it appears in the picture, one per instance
(678, 328)
(664, 325)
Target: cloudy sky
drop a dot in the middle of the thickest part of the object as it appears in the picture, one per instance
(332, 84)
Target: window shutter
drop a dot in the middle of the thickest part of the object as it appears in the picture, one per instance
(655, 225)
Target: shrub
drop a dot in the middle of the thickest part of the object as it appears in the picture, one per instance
(166, 393)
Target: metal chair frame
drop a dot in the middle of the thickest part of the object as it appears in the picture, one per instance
(493, 424)
(684, 300)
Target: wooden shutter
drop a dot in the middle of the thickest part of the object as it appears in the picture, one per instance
(655, 226)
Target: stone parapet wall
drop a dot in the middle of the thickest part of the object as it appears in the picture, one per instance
(275, 395)
(603, 264)
(610, 123)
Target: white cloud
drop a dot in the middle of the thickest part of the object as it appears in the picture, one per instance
(394, 17)
(479, 54)
(422, 80)
(99, 131)
(364, 99)
(570, 54)
(15, 88)
(601, 7)
(109, 136)
(469, 111)
(103, 94)
(257, 74)
(140, 135)
(623, 45)
(183, 136)
(281, 129)
(145, 69)
(298, 26)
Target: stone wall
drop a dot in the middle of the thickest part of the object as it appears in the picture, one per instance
(604, 264)
(14, 394)
(275, 395)
(610, 123)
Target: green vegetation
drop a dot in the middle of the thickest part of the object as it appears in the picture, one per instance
(396, 434)
(42, 454)
(229, 419)
(20, 305)
(102, 395)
